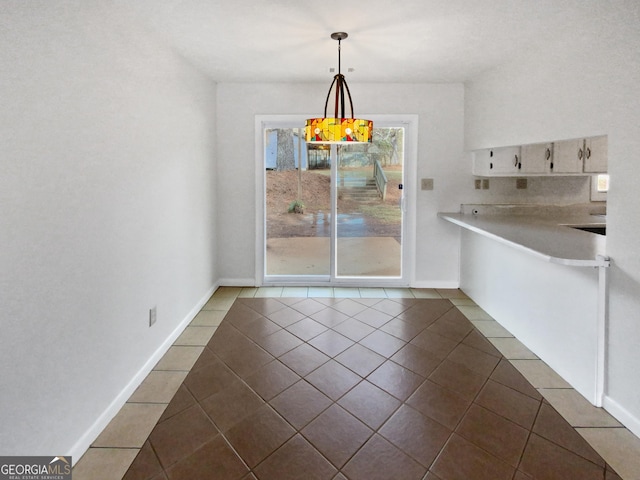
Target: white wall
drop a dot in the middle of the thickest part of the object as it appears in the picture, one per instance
(588, 84)
(107, 208)
(440, 156)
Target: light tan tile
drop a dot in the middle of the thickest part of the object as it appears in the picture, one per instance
(474, 312)
(467, 302)
(131, 426)
(577, 410)
(322, 292)
(618, 446)
(195, 336)
(451, 293)
(491, 328)
(219, 303)
(104, 463)
(425, 293)
(398, 293)
(513, 349)
(158, 387)
(248, 292)
(268, 292)
(208, 318)
(227, 292)
(179, 358)
(295, 292)
(539, 374)
(346, 292)
(372, 293)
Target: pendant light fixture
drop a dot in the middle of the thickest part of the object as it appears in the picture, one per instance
(338, 129)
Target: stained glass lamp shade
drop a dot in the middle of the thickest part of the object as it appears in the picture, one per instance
(338, 129)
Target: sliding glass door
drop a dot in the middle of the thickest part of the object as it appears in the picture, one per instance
(369, 207)
(333, 214)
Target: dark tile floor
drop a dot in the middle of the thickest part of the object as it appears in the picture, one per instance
(388, 389)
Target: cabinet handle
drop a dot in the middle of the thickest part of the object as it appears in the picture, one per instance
(490, 165)
(580, 154)
(547, 154)
(588, 152)
(515, 164)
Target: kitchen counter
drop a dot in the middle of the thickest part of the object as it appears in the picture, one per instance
(524, 265)
(545, 235)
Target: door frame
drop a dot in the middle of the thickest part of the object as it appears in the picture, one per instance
(410, 124)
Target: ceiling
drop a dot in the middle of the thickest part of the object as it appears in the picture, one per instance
(389, 41)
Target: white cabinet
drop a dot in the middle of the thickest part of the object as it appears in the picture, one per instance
(584, 155)
(580, 156)
(496, 161)
(568, 156)
(596, 154)
(481, 162)
(536, 158)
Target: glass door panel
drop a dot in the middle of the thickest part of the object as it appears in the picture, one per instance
(298, 207)
(333, 213)
(369, 210)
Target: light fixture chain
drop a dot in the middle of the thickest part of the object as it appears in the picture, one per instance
(339, 48)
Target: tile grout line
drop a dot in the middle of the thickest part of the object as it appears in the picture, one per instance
(529, 435)
(333, 402)
(454, 429)
(240, 294)
(138, 449)
(600, 452)
(336, 401)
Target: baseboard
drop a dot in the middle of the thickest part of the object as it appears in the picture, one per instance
(83, 444)
(622, 415)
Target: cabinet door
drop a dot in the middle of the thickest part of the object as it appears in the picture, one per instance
(504, 161)
(496, 162)
(536, 158)
(568, 156)
(595, 154)
(481, 162)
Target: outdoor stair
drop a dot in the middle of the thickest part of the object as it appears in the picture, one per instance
(358, 188)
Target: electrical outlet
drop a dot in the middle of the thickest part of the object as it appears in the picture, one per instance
(153, 316)
(521, 183)
(426, 183)
(485, 184)
(478, 184)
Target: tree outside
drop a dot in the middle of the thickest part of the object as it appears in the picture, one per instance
(285, 158)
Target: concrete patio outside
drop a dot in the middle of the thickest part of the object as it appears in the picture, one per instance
(357, 256)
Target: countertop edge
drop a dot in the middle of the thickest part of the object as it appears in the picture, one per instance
(459, 219)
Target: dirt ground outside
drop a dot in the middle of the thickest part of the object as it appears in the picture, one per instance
(375, 218)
